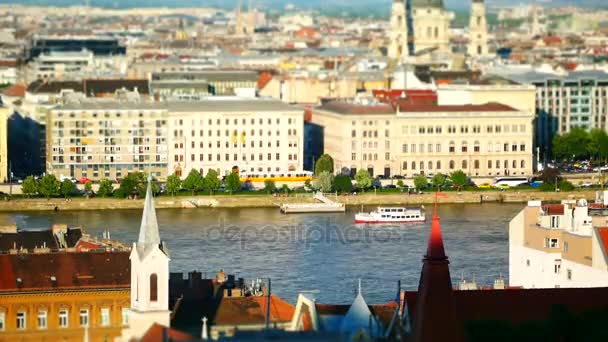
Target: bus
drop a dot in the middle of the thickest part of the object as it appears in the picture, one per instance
(291, 176)
(510, 181)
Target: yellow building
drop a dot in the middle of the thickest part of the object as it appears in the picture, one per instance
(3, 144)
(64, 296)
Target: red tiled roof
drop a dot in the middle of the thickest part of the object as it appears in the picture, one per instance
(9, 63)
(252, 310)
(83, 244)
(554, 209)
(155, 334)
(264, 79)
(426, 107)
(71, 271)
(552, 40)
(16, 90)
(520, 305)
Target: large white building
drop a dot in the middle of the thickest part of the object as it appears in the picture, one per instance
(97, 138)
(564, 245)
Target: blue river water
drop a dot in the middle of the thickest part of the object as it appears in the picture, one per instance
(322, 253)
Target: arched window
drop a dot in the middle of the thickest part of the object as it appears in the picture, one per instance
(436, 32)
(438, 165)
(405, 165)
(523, 164)
(476, 164)
(477, 147)
(464, 165)
(515, 164)
(452, 165)
(489, 164)
(421, 165)
(413, 165)
(430, 165)
(153, 287)
(464, 146)
(452, 147)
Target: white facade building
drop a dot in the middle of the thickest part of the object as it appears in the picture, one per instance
(561, 245)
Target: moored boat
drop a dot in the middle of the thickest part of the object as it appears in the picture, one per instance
(392, 215)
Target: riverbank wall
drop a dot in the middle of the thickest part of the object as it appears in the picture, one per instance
(267, 201)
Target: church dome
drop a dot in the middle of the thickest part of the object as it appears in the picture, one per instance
(427, 3)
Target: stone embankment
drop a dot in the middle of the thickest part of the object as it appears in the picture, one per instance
(266, 201)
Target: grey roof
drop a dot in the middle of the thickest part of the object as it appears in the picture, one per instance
(210, 76)
(208, 105)
(149, 236)
(533, 77)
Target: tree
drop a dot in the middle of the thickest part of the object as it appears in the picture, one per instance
(105, 188)
(211, 182)
(363, 179)
(173, 184)
(233, 182)
(48, 186)
(324, 181)
(573, 145)
(598, 144)
(566, 186)
(67, 188)
(400, 183)
(459, 179)
(269, 186)
(285, 188)
(439, 181)
(550, 176)
(324, 163)
(343, 184)
(88, 188)
(420, 182)
(307, 184)
(194, 181)
(132, 183)
(29, 186)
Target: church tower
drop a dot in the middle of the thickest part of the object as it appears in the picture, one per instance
(431, 25)
(398, 32)
(478, 29)
(149, 275)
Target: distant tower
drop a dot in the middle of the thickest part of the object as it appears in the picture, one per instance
(238, 29)
(398, 32)
(431, 25)
(535, 26)
(478, 29)
(250, 18)
(149, 275)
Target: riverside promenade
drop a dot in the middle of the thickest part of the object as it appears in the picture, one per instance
(266, 201)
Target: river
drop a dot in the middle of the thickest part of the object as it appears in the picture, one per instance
(323, 253)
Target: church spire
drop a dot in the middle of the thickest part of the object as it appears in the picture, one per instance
(434, 299)
(148, 231)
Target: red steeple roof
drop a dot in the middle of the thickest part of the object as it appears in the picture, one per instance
(435, 316)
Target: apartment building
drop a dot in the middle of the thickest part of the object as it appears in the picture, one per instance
(106, 139)
(109, 139)
(253, 135)
(577, 99)
(408, 138)
(563, 245)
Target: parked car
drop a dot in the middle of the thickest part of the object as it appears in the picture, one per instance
(485, 186)
(83, 180)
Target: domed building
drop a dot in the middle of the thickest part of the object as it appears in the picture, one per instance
(431, 22)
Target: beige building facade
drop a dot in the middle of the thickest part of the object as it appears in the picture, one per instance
(481, 140)
(4, 144)
(398, 31)
(431, 25)
(478, 29)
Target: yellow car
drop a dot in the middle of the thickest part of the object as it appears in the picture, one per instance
(485, 186)
(503, 187)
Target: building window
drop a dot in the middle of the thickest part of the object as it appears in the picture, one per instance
(476, 147)
(554, 243)
(2, 318)
(557, 268)
(565, 246)
(21, 324)
(476, 164)
(569, 274)
(523, 164)
(464, 165)
(528, 262)
(105, 317)
(464, 146)
(404, 148)
(438, 148)
(42, 317)
(554, 221)
(124, 316)
(153, 287)
(63, 318)
(438, 165)
(84, 317)
(452, 165)
(452, 147)
(489, 164)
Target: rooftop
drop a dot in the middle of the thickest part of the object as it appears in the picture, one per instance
(407, 106)
(252, 310)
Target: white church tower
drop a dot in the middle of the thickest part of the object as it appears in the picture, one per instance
(398, 31)
(149, 275)
(478, 29)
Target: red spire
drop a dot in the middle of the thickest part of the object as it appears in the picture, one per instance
(435, 250)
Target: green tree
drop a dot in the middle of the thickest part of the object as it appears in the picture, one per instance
(420, 182)
(48, 186)
(67, 188)
(307, 184)
(285, 188)
(439, 181)
(459, 179)
(233, 182)
(343, 184)
(88, 188)
(400, 183)
(363, 179)
(269, 186)
(566, 186)
(193, 182)
(324, 163)
(173, 184)
(573, 145)
(598, 144)
(105, 188)
(550, 176)
(132, 183)
(324, 181)
(212, 182)
(29, 186)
